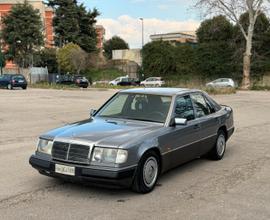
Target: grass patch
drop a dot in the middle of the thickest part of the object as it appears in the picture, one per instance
(103, 74)
(220, 91)
(260, 87)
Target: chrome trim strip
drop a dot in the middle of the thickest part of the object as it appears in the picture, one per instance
(185, 145)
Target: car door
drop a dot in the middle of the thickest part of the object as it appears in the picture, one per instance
(208, 121)
(182, 140)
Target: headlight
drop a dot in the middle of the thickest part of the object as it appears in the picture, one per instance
(44, 146)
(108, 155)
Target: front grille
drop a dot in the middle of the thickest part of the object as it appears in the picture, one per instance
(60, 150)
(75, 153)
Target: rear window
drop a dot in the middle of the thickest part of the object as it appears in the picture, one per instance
(18, 77)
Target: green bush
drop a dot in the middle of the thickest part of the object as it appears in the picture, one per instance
(103, 74)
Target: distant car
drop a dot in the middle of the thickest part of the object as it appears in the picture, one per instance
(116, 81)
(222, 83)
(64, 79)
(11, 81)
(81, 81)
(153, 82)
(129, 82)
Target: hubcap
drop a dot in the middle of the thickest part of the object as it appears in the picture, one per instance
(221, 144)
(150, 171)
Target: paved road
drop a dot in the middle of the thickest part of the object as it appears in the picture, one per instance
(237, 187)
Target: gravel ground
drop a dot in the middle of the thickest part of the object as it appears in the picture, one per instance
(238, 187)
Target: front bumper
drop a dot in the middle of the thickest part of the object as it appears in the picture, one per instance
(114, 177)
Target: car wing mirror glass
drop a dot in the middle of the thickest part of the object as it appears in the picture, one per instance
(180, 121)
(92, 112)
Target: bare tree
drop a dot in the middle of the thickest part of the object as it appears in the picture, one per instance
(82, 60)
(233, 10)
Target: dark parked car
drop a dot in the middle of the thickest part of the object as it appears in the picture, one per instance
(64, 79)
(81, 81)
(135, 136)
(11, 81)
(67, 79)
(129, 82)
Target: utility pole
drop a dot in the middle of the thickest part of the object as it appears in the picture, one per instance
(142, 31)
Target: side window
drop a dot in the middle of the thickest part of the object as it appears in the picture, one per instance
(200, 105)
(210, 105)
(184, 108)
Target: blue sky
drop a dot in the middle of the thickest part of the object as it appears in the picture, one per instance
(121, 17)
(162, 9)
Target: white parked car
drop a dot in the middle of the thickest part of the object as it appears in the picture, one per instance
(222, 83)
(116, 81)
(153, 82)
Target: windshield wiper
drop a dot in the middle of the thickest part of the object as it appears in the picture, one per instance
(138, 119)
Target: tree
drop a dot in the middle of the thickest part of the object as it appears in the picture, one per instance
(74, 24)
(22, 32)
(261, 43)
(78, 59)
(115, 43)
(64, 57)
(46, 58)
(215, 59)
(215, 29)
(232, 9)
(185, 60)
(216, 49)
(87, 38)
(158, 59)
(74, 59)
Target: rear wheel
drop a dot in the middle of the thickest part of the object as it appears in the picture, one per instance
(147, 173)
(24, 87)
(219, 149)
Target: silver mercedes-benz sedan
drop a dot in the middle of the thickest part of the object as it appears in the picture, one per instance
(137, 135)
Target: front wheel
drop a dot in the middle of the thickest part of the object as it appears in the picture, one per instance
(147, 173)
(9, 86)
(219, 149)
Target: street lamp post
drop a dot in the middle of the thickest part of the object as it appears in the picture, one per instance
(142, 31)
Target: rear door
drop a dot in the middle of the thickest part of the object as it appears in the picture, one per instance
(208, 121)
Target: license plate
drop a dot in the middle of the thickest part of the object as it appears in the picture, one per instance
(21, 81)
(66, 170)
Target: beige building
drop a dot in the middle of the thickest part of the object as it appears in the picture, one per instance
(174, 37)
(128, 54)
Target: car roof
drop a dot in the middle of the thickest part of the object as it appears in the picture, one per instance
(159, 91)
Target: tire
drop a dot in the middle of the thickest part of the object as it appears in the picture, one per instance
(147, 173)
(218, 151)
(24, 87)
(9, 87)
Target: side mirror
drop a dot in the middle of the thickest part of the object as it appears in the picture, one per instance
(180, 121)
(92, 112)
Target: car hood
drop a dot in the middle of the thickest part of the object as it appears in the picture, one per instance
(109, 132)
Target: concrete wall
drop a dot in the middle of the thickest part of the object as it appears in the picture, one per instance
(131, 55)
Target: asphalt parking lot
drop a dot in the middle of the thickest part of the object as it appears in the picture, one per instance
(238, 187)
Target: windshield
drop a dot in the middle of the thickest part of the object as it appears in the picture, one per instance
(142, 107)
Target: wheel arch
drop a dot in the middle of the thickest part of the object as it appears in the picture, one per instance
(157, 151)
(224, 129)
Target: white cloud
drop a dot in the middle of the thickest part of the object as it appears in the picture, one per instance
(129, 28)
